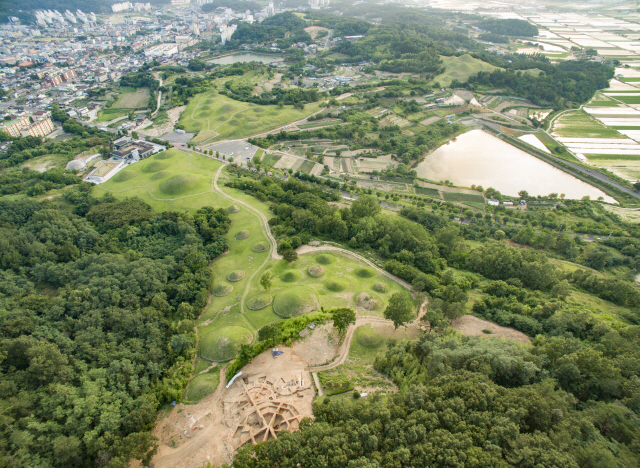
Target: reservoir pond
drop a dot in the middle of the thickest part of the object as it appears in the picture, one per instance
(479, 158)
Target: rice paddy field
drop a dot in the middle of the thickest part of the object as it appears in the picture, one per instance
(606, 133)
(216, 117)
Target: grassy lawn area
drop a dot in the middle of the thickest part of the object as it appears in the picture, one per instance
(217, 117)
(579, 124)
(203, 385)
(319, 124)
(109, 114)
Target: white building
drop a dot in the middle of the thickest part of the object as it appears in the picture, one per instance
(161, 50)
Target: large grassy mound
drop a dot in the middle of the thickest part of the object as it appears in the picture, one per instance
(259, 302)
(123, 176)
(325, 259)
(335, 285)
(233, 209)
(237, 275)
(364, 272)
(294, 301)
(163, 155)
(154, 166)
(241, 235)
(260, 247)
(160, 175)
(222, 344)
(291, 276)
(379, 287)
(221, 290)
(368, 338)
(367, 301)
(178, 184)
(315, 271)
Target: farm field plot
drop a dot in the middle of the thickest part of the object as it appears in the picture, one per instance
(579, 124)
(463, 197)
(217, 117)
(461, 68)
(392, 119)
(136, 99)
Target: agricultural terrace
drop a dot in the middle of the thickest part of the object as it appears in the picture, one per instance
(217, 117)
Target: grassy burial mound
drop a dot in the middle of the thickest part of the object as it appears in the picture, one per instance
(221, 290)
(242, 235)
(260, 247)
(379, 287)
(124, 176)
(335, 285)
(237, 275)
(222, 344)
(367, 301)
(160, 175)
(315, 271)
(294, 302)
(259, 302)
(291, 276)
(368, 338)
(233, 209)
(154, 166)
(203, 385)
(364, 272)
(179, 184)
(325, 259)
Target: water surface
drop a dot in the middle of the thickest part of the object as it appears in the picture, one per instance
(479, 158)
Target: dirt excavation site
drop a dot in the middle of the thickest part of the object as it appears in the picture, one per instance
(272, 395)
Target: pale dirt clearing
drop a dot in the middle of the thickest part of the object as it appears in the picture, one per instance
(631, 215)
(611, 111)
(319, 346)
(211, 430)
(473, 326)
(534, 141)
(167, 127)
(617, 141)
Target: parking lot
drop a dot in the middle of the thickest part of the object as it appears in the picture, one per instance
(237, 149)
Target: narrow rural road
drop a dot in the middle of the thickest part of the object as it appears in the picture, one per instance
(343, 350)
(272, 240)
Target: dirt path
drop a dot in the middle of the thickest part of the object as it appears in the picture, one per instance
(329, 248)
(267, 232)
(168, 457)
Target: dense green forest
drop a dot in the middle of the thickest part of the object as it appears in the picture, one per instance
(509, 27)
(574, 81)
(97, 302)
(571, 399)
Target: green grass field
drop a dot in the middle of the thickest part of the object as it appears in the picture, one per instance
(130, 98)
(579, 124)
(629, 99)
(463, 197)
(430, 192)
(202, 385)
(217, 117)
(461, 68)
(270, 159)
(106, 115)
